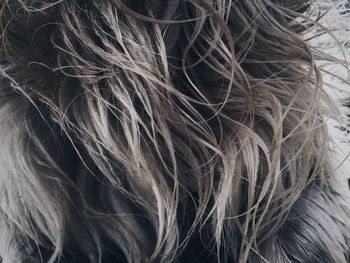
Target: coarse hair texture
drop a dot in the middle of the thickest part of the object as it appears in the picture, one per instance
(165, 131)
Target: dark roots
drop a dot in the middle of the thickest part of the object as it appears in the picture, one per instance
(164, 131)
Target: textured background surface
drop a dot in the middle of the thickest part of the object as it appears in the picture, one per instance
(337, 77)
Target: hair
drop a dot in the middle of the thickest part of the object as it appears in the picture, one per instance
(165, 131)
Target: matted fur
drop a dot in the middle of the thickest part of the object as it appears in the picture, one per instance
(164, 131)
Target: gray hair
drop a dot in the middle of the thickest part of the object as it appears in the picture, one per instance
(164, 131)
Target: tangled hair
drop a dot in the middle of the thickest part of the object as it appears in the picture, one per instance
(165, 131)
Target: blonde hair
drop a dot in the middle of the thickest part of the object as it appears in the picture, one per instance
(163, 131)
